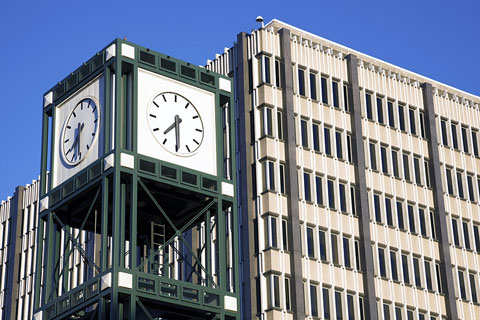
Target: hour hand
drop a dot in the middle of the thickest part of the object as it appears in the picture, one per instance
(174, 124)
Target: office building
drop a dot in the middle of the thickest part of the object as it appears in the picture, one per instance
(358, 192)
(359, 183)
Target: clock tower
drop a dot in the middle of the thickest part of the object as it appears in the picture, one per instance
(138, 210)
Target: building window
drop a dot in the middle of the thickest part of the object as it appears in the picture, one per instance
(448, 174)
(324, 90)
(406, 274)
(474, 143)
(396, 172)
(326, 304)
(464, 140)
(269, 175)
(422, 125)
(326, 135)
(386, 312)
(427, 173)
(443, 126)
(460, 185)
(338, 140)
(409, 315)
(267, 128)
(306, 187)
(338, 305)
(342, 197)
(350, 307)
(476, 236)
(456, 239)
(335, 95)
(461, 283)
(411, 115)
(423, 226)
(316, 137)
(319, 190)
(352, 200)
(373, 160)
(345, 97)
(393, 265)
(439, 279)
(349, 148)
(331, 194)
(401, 225)
(334, 245)
(376, 208)
(383, 156)
(358, 262)
(473, 288)
(466, 236)
(277, 74)
(304, 133)
(266, 69)
(280, 125)
(406, 167)
(401, 117)
(428, 275)
(398, 313)
(391, 116)
(313, 301)
(417, 171)
(368, 105)
(310, 244)
(272, 232)
(323, 245)
(346, 252)
(471, 193)
(388, 211)
(301, 82)
(274, 291)
(432, 224)
(416, 270)
(381, 262)
(282, 178)
(380, 110)
(287, 294)
(285, 234)
(454, 136)
(313, 86)
(411, 219)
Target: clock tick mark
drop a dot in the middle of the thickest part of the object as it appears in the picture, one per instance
(186, 106)
(93, 134)
(196, 142)
(164, 141)
(156, 129)
(175, 98)
(67, 140)
(186, 146)
(68, 151)
(74, 115)
(93, 110)
(95, 121)
(199, 130)
(156, 104)
(88, 147)
(194, 117)
(164, 99)
(152, 115)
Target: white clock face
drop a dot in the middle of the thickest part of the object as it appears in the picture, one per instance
(80, 131)
(175, 123)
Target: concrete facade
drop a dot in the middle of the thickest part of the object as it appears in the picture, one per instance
(365, 183)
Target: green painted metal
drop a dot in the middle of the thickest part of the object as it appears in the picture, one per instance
(125, 197)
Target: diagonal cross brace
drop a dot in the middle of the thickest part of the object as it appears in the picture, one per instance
(178, 233)
(76, 245)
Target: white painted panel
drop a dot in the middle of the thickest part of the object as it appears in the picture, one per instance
(149, 86)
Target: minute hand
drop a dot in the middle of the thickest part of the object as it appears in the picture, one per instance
(177, 131)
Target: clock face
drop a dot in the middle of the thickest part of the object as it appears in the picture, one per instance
(80, 131)
(175, 123)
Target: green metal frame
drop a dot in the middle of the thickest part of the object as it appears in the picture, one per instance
(119, 194)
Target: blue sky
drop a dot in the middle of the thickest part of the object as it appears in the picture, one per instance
(43, 41)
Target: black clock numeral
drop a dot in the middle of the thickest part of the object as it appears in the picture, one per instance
(156, 104)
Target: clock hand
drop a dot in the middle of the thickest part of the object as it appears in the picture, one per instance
(177, 131)
(172, 126)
